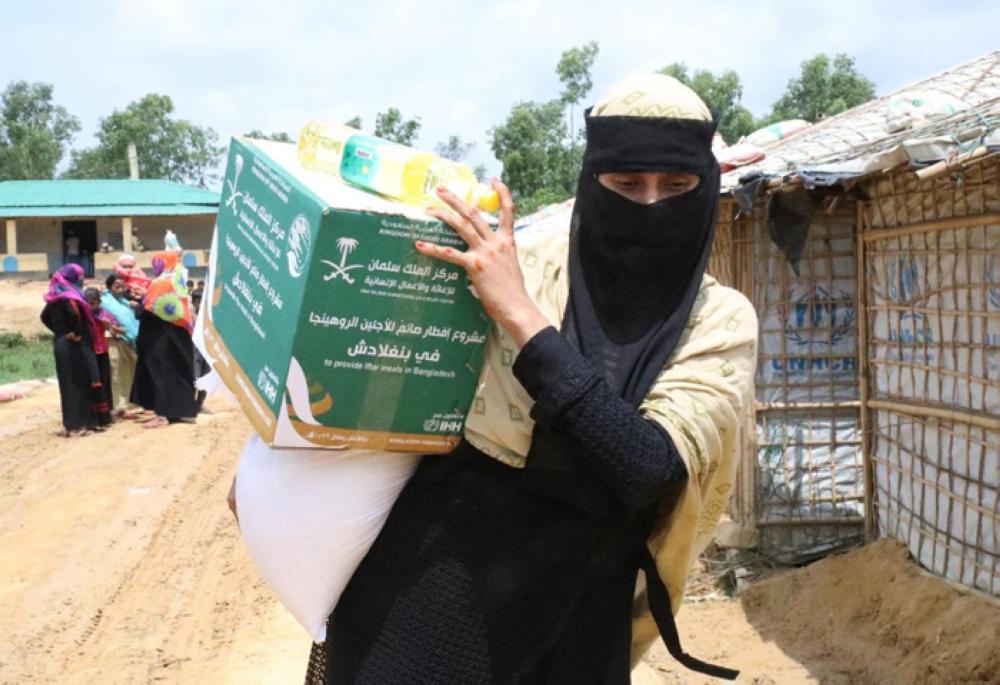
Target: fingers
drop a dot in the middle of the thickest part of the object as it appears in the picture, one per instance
(467, 212)
(506, 206)
(460, 225)
(447, 254)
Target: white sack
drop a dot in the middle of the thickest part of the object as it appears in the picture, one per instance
(308, 517)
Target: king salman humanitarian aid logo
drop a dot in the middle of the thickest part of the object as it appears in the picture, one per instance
(234, 194)
(299, 241)
(346, 247)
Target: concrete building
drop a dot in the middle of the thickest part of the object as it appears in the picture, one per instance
(92, 222)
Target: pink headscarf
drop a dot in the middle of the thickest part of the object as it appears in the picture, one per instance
(67, 284)
(129, 270)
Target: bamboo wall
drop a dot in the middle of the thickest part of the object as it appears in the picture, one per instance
(931, 257)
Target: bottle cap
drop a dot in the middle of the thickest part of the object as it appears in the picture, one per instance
(485, 198)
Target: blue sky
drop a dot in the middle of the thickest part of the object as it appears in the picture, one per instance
(460, 66)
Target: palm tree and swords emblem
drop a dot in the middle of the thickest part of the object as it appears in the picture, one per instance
(233, 193)
(346, 247)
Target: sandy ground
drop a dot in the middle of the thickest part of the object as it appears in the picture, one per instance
(20, 304)
(121, 564)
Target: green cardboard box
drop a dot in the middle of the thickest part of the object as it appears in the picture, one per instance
(324, 321)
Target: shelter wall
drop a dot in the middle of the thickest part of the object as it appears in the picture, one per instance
(809, 460)
(932, 321)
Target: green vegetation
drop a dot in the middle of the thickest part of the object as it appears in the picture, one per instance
(168, 148)
(23, 359)
(35, 133)
(539, 143)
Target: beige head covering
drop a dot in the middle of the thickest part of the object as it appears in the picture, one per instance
(651, 95)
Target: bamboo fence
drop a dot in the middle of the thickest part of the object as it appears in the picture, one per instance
(930, 250)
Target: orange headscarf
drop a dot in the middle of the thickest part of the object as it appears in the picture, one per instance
(167, 296)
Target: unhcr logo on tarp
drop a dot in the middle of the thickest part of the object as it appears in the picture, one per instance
(905, 281)
(819, 318)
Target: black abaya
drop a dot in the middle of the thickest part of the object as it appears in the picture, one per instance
(76, 364)
(103, 393)
(479, 577)
(164, 370)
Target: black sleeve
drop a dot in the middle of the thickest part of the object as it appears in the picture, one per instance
(46, 317)
(635, 456)
(61, 318)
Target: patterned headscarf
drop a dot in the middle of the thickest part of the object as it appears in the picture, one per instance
(167, 296)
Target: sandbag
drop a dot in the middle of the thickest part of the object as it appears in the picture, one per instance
(738, 155)
(308, 517)
(769, 135)
(917, 108)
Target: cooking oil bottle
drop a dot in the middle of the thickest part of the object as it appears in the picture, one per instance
(389, 168)
(321, 146)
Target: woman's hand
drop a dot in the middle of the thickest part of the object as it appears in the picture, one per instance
(491, 262)
(73, 337)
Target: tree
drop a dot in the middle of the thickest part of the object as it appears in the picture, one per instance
(168, 148)
(538, 164)
(391, 126)
(457, 150)
(540, 154)
(280, 136)
(454, 149)
(34, 132)
(722, 93)
(354, 122)
(573, 70)
(825, 87)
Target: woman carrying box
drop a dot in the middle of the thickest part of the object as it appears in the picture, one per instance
(602, 438)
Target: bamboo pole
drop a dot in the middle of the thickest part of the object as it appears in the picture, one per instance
(813, 521)
(945, 165)
(929, 226)
(982, 420)
(796, 406)
(864, 417)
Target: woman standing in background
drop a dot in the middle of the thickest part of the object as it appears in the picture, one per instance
(68, 315)
(164, 374)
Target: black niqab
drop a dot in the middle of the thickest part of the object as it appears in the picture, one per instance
(635, 269)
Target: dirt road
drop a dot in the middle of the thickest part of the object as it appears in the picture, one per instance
(119, 563)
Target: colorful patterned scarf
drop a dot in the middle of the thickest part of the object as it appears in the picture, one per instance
(167, 296)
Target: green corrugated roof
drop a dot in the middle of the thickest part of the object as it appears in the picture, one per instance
(111, 197)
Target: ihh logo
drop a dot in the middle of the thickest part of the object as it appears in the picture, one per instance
(819, 318)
